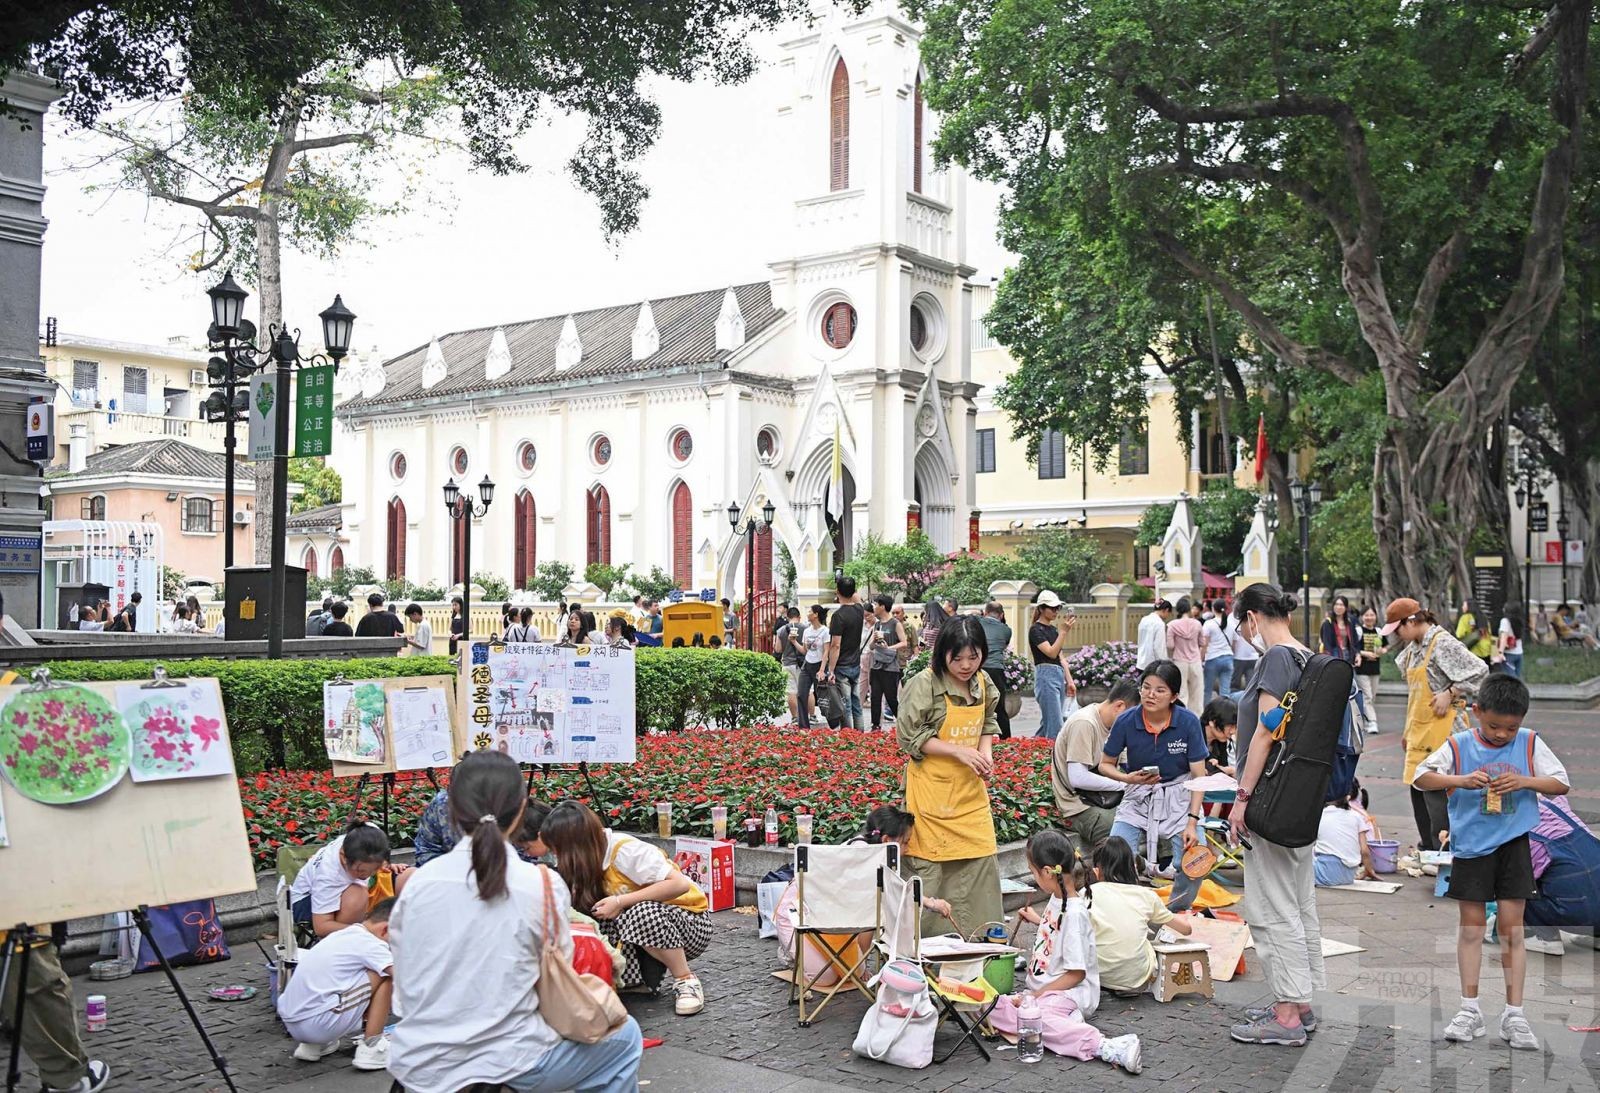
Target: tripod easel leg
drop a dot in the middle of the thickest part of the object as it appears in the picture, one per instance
(141, 916)
(16, 961)
(594, 794)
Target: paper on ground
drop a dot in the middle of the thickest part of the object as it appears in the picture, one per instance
(1331, 947)
(1381, 887)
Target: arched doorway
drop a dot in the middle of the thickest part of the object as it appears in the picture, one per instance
(598, 522)
(525, 558)
(935, 495)
(336, 560)
(308, 560)
(682, 506)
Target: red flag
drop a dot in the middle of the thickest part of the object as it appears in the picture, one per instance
(1261, 447)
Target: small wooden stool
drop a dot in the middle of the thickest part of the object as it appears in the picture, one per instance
(1183, 968)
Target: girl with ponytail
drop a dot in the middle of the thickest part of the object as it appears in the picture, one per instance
(468, 934)
(1063, 975)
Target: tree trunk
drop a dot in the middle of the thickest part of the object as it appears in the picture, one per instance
(269, 285)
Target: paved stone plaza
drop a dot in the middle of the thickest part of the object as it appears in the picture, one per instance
(1380, 1016)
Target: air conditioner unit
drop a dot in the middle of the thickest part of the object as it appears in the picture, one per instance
(241, 518)
(197, 377)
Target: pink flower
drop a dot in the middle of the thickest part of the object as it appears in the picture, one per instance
(84, 747)
(103, 763)
(28, 742)
(207, 729)
(53, 707)
(163, 749)
(79, 768)
(48, 770)
(102, 739)
(19, 718)
(56, 732)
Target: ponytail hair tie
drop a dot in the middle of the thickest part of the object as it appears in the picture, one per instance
(488, 818)
(875, 832)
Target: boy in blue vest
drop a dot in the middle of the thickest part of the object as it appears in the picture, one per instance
(1494, 774)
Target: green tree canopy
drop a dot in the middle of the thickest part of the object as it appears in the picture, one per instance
(1223, 517)
(1359, 188)
(909, 567)
(320, 482)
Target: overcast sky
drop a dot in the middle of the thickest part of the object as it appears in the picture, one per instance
(475, 249)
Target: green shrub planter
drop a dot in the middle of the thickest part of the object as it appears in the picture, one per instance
(274, 706)
(726, 688)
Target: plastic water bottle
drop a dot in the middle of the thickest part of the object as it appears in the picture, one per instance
(1030, 1030)
(772, 827)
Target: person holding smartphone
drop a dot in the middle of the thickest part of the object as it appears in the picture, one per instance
(1165, 747)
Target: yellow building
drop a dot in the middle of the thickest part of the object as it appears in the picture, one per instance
(1020, 498)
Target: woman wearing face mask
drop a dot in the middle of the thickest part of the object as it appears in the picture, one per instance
(1280, 900)
(946, 729)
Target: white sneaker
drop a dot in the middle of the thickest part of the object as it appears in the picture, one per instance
(1122, 1051)
(1491, 930)
(1466, 1026)
(99, 1074)
(1535, 944)
(375, 1057)
(310, 1053)
(1514, 1030)
(691, 996)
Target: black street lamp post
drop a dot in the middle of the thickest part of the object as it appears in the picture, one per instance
(460, 506)
(1563, 529)
(1307, 496)
(1538, 513)
(235, 338)
(768, 511)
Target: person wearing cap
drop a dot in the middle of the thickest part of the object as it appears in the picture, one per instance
(1051, 678)
(1441, 675)
(1153, 635)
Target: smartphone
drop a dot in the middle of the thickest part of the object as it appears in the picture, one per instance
(1149, 770)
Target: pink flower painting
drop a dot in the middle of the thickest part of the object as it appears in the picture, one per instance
(62, 744)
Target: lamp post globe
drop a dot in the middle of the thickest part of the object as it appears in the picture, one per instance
(337, 323)
(452, 494)
(227, 304)
(486, 491)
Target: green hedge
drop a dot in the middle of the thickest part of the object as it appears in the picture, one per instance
(728, 688)
(274, 706)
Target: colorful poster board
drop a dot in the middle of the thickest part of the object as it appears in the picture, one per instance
(136, 842)
(419, 728)
(551, 703)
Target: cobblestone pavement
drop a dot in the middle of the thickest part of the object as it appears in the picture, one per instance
(1381, 1012)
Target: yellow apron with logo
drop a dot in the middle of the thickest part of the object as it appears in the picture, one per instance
(950, 802)
(1424, 733)
(617, 883)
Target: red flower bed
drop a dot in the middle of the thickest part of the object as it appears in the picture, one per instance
(837, 776)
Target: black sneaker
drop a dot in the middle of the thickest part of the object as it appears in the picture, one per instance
(98, 1078)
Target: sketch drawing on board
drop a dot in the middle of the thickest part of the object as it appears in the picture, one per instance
(353, 722)
(421, 720)
(177, 732)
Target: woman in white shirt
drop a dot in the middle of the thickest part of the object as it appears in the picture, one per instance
(1218, 653)
(814, 641)
(467, 938)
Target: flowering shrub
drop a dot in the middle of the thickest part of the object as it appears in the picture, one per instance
(837, 776)
(1103, 665)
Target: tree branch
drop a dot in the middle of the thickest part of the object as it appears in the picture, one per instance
(1313, 198)
(311, 144)
(1271, 335)
(1291, 105)
(1440, 267)
(212, 208)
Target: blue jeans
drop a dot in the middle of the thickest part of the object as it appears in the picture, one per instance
(1219, 678)
(850, 676)
(1049, 687)
(1184, 887)
(1331, 872)
(1514, 664)
(611, 1066)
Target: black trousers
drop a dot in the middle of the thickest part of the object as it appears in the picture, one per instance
(885, 688)
(808, 681)
(1432, 811)
(997, 676)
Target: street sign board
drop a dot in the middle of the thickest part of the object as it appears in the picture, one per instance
(313, 411)
(20, 553)
(41, 431)
(263, 404)
(1488, 587)
(1539, 517)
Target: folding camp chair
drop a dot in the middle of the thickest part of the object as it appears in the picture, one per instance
(838, 898)
(902, 940)
(292, 937)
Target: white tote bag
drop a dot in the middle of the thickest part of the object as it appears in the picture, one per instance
(898, 1028)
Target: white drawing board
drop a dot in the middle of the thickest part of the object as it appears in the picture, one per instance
(550, 703)
(137, 843)
(410, 724)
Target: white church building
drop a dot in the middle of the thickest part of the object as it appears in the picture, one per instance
(622, 434)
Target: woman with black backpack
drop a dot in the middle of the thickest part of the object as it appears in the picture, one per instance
(1280, 900)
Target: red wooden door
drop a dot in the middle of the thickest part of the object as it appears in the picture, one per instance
(397, 539)
(682, 536)
(599, 526)
(527, 527)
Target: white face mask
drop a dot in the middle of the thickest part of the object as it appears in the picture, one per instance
(1255, 639)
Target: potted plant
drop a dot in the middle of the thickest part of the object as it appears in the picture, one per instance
(1096, 667)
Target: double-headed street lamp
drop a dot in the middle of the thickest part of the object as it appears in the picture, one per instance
(768, 511)
(461, 507)
(1537, 518)
(1307, 496)
(234, 336)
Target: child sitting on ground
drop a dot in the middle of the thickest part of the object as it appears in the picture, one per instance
(1063, 974)
(342, 987)
(1495, 774)
(330, 891)
(1342, 852)
(1123, 914)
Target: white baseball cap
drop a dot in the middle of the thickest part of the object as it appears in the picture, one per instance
(1048, 598)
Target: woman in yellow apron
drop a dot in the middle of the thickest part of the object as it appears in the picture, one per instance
(1441, 674)
(946, 727)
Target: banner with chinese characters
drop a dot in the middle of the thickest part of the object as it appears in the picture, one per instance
(313, 411)
(550, 703)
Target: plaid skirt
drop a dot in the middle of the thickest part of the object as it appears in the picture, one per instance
(660, 926)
